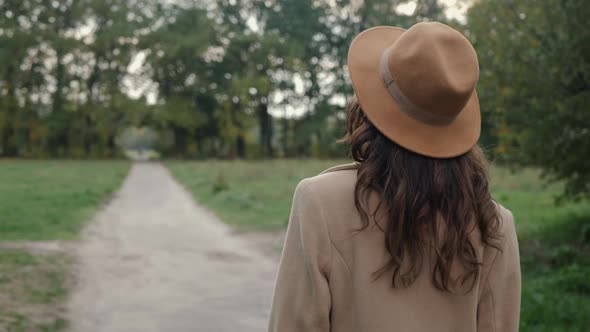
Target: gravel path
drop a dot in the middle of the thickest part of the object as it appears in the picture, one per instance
(153, 260)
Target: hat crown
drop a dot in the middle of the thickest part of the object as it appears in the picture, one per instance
(435, 67)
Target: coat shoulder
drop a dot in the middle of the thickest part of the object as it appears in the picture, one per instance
(507, 224)
(334, 181)
(333, 189)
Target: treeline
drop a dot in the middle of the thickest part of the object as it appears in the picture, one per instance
(209, 75)
(267, 78)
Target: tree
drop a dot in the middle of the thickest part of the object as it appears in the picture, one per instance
(216, 70)
(61, 87)
(315, 36)
(535, 84)
(178, 62)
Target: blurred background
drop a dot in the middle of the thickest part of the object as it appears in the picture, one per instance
(244, 98)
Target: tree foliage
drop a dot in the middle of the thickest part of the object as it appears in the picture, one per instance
(535, 84)
(222, 79)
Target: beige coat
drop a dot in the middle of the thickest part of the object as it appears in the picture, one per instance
(324, 281)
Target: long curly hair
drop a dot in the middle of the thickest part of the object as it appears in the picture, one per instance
(429, 204)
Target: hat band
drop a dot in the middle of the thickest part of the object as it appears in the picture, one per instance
(406, 105)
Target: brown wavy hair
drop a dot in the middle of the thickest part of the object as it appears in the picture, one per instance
(427, 202)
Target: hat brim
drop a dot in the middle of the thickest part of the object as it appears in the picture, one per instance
(384, 113)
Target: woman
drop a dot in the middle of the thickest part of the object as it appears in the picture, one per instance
(408, 238)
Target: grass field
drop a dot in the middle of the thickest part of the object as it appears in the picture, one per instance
(32, 291)
(45, 200)
(50, 200)
(248, 195)
(554, 240)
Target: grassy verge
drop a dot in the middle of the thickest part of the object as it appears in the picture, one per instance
(248, 195)
(45, 200)
(554, 240)
(32, 292)
(555, 252)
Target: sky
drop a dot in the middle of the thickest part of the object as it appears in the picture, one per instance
(456, 9)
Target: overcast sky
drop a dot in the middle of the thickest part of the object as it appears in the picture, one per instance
(455, 8)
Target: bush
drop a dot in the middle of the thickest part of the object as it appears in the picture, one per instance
(220, 183)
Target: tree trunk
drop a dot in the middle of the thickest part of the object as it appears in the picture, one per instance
(59, 140)
(241, 146)
(266, 130)
(285, 137)
(180, 141)
(7, 144)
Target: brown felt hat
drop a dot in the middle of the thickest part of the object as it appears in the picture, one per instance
(417, 86)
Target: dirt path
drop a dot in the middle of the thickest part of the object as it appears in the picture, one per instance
(155, 261)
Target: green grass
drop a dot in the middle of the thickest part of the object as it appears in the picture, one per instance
(45, 200)
(555, 252)
(554, 239)
(252, 195)
(533, 202)
(32, 292)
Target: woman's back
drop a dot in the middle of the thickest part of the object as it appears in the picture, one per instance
(409, 237)
(326, 263)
